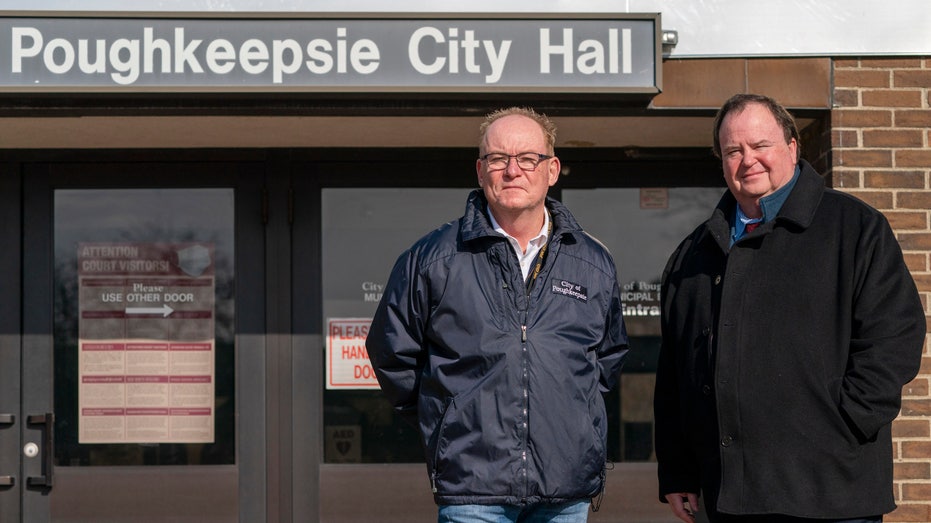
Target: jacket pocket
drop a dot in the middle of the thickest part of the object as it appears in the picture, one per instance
(842, 423)
(433, 445)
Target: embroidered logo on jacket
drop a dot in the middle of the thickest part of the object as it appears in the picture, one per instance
(567, 288)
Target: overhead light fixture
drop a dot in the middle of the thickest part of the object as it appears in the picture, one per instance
(670, 39)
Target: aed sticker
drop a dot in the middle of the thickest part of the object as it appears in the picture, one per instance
(343, 444)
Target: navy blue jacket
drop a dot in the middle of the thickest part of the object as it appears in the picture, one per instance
(784, 357)
(506, 389)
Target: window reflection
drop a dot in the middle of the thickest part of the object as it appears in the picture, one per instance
(641, 227)
(363, 233)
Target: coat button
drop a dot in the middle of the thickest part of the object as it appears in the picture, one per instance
(717, 279)
(706, 390)
(726, 441)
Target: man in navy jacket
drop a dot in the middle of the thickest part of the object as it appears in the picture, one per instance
(497, 335)
(790, 325)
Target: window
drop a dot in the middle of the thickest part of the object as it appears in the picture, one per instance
(641, 227)
(365, 230)
(144, 327)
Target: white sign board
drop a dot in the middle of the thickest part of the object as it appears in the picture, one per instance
(146, 343)
(348, 365)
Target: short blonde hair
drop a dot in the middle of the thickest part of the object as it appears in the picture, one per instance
(546, 125)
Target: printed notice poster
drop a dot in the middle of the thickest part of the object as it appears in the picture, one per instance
(348, 365)
(146, 343)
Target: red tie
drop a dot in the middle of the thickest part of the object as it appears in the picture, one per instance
(750, 226)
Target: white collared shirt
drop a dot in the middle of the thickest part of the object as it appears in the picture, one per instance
(533, 246)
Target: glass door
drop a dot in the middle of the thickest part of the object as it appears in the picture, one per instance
(136, 288)
(368, 214)
(352, 218)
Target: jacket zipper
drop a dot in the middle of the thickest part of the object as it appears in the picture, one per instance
(525, 409)
(525, 428)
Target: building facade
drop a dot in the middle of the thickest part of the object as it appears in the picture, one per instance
(194, 254)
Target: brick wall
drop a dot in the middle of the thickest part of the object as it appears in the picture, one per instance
(881, 152)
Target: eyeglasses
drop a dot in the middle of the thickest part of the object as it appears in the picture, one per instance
(526, 161)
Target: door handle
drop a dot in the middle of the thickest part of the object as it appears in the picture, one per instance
(7, 419)
(48, 450)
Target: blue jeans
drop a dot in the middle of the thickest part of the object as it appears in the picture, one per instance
(571, 512)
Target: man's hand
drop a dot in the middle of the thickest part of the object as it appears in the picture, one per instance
(684, 505)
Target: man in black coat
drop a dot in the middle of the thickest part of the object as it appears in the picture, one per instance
(790, 325)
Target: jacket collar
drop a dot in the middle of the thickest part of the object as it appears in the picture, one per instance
(798, 210)
(476, 224)
(801, 205)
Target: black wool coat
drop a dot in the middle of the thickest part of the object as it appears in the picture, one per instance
(784, 357)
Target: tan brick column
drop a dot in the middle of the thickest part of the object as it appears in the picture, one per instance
(881, 153)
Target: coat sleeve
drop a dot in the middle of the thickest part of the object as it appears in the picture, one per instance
(614, 348)
(887, 334)
(395, 339)
(677, 466)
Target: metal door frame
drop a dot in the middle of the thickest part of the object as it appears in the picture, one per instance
(39, 182)
(10, 340)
